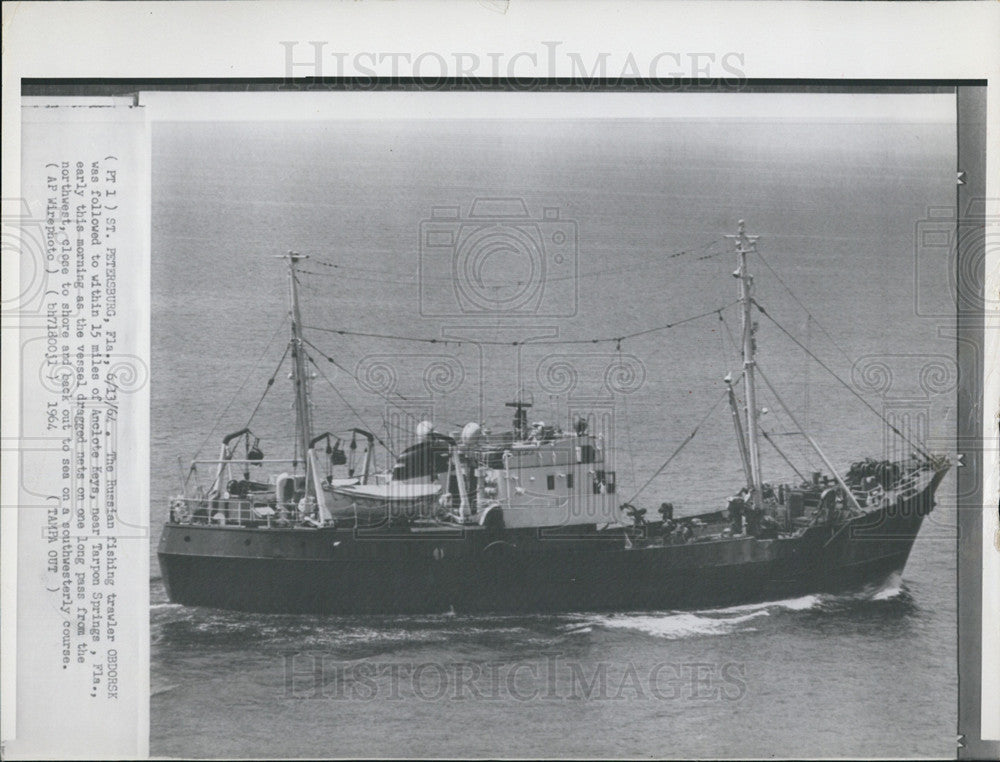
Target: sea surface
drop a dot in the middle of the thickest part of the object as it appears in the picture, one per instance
(644, 206)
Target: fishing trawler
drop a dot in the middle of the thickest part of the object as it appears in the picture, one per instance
(528, 519)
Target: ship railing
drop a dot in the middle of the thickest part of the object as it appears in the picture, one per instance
(906, 486)
(241, 461)
(223, 469)
(909, 485)
(242, 466)
(867, 496)
(231, 511)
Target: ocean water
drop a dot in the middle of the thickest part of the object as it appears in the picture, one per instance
(838, 206)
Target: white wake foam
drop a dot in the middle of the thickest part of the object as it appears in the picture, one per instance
(677, 625)
(684, 624)
(803, 603)
(893, 587)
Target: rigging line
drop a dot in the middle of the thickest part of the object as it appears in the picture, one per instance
(732, 341)
(521, 342)
(819, 452)
(385, 421)
(778, 412)
(660, 328)
(712, 255)
(309, 287)
(808, 457)
(805, 309)
(489, 283)
(338, 365)
(783, 456)
(239, 391)
(722, 343)
(401, 429)
(680, 446)
(843, 383)
(267, 388)
(355, 377)
(389, 274)
(409, 432)
(628, 424)
(349, 405)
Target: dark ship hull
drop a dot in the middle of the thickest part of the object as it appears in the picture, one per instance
(343, 570)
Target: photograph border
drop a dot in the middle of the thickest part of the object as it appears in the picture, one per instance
(972, 339)
(971, 145)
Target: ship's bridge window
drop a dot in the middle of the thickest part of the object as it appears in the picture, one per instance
(551, 481)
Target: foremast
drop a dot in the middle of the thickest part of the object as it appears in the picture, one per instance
(747, 245)
(300, 375)
(750, 450)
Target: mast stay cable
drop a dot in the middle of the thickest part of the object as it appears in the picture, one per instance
(239, 391)
(805, 309)
(610, 339)
(355, 377)
(378, 275)
(782, 454)
(348, 404)
(841, 381)
(680, 447)
(267, 388)
(848, 494)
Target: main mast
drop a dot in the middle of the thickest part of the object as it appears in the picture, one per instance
(746, 245)
(301, 378)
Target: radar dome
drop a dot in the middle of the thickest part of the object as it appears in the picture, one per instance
(424, 430)
(472, 432)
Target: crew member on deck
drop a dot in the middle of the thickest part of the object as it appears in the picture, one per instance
(666, 511)
(753, 515)
(736, 507)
